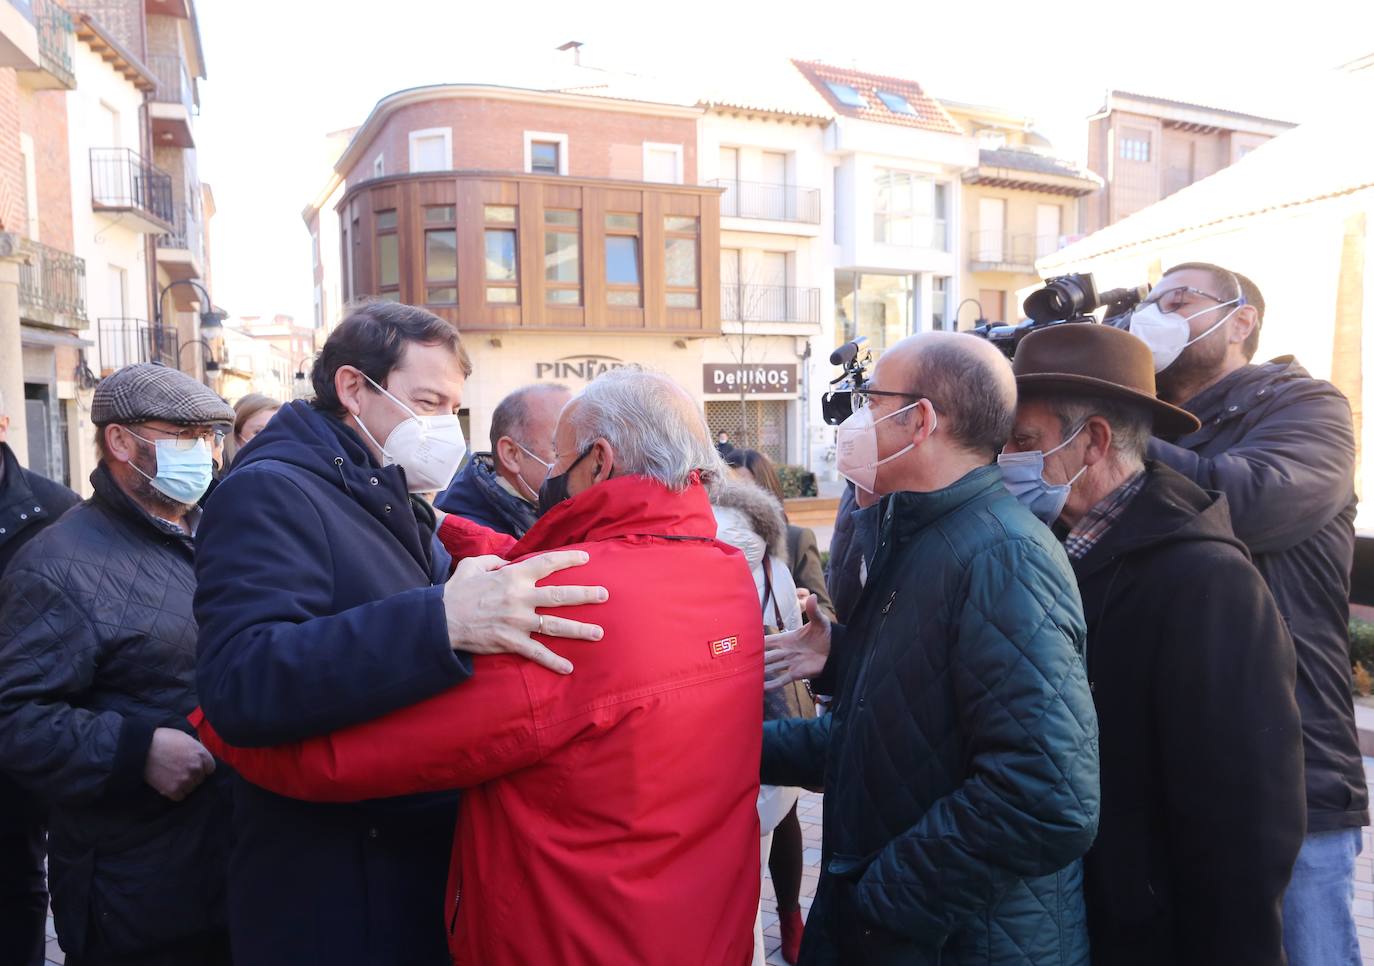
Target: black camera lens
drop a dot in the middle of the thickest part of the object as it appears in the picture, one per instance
(1062, 298)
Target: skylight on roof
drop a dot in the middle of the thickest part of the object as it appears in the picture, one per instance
(846, 94)
(896, 103)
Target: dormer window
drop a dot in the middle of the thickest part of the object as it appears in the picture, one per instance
(896, 103)
(846, 94)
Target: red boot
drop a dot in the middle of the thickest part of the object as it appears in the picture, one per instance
(790, 923)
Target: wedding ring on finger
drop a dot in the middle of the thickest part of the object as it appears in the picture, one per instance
(541, 623)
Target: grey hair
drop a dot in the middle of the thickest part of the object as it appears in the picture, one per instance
(1131, 423)
(652, 424)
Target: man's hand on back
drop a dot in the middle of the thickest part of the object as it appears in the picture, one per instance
(491, 607)
(176, 763)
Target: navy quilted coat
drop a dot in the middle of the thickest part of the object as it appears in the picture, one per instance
(960, 762)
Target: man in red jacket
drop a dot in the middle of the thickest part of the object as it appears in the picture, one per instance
(610, 814)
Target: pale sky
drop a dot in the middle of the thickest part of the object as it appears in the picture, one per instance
(283, 73)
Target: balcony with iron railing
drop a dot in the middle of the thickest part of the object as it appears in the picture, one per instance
(769, 202)
(182, 249)
(52, 285)
(173, 102)
(174, 84)
(122, 181)
(769, 303)
(56, 49)
(996, 251)
(123, 342)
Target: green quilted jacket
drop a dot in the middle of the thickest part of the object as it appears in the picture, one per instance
(960, 761)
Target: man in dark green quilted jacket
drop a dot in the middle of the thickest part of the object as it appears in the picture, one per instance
(960, 761)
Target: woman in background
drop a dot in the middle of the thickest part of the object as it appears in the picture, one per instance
(748, 518)
(251, 414)
(785, 857)
(802, 551)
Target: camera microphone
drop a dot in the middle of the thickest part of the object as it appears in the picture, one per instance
(845, 354)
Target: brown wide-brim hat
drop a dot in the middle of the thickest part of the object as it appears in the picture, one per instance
(1089, 359)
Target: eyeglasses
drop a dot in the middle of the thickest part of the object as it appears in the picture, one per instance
(862, 397)
(185, 440)
(1173, 299)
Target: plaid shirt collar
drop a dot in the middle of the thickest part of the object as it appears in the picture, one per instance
(1097, 521)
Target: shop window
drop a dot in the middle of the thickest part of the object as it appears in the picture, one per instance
(879, 307)
(759, 424)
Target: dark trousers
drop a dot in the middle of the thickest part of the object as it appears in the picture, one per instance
(23, 894)
(211, 950)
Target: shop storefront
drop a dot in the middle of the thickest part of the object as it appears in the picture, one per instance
(758, 403)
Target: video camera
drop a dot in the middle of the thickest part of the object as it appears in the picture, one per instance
(1065, 298)
(852, 357)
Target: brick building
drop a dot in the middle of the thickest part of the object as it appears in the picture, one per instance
(1146, 148)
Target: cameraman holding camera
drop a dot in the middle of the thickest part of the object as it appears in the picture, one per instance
(1280, 445)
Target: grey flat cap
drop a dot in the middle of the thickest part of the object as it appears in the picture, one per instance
(147, 390)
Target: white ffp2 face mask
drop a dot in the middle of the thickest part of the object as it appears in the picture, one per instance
(428, 448)
(856, 447)
(1167, 333)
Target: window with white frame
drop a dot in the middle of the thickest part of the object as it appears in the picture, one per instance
(431, 149)
(663, 163)
(379, 166)
(910, 210)
(546, 153)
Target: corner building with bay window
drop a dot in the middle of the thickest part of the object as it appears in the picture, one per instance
(730, 237)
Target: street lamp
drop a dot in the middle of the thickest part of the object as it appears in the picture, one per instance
(211, 319)
(978, 321)
(210, 364)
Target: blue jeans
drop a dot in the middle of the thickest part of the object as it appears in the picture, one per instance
(1318, 924)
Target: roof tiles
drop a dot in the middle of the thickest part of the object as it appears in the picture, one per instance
(927, 114)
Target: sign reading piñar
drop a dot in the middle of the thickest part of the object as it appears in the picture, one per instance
(585, 368)
(731, 379)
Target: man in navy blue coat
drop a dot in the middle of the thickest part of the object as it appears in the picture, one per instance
(317, 610)
(500, 489)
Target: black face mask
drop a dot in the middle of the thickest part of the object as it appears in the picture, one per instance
(554, 489)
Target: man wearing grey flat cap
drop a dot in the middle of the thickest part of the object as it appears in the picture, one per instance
(97, 676)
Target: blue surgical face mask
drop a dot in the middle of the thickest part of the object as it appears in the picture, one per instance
(1024, 476)
(182, 475)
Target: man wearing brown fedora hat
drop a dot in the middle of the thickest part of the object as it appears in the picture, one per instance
(1191, 666)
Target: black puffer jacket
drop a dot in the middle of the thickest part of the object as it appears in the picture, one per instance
(97, 649)
(1280, 445)
(1192, 675)
(28, 503)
